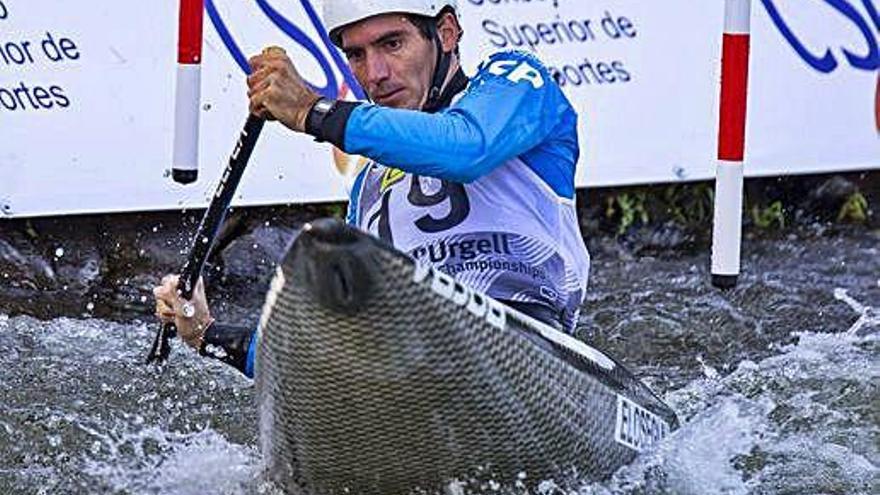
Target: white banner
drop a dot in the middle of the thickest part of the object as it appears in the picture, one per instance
(814, 104)
(87, 93)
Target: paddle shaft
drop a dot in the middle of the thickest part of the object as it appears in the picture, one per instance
(209, 227)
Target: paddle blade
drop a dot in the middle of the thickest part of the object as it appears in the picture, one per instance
(161, 344)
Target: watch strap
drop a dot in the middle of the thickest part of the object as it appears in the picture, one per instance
(327, 120)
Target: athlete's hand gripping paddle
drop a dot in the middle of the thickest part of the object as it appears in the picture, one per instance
(208, 229)
(210, 226)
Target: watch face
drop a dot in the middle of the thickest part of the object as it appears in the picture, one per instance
(324, 105)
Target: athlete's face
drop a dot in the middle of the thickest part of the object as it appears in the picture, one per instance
(391, 60)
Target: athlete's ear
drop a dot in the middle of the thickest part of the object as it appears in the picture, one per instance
(450, 31)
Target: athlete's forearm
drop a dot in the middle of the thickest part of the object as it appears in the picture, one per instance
(495, 120)
(455, 145)
(233, 345)
(447, 146)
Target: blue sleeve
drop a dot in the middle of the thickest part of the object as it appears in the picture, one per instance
(510, 107)
(251, 356)
(354, 198)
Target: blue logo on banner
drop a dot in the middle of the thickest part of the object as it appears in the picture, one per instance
(866, 58)
(331, 89)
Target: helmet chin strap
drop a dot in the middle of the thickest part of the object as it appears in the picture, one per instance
(441, 69)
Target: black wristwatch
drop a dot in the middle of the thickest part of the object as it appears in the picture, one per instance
(316, 116)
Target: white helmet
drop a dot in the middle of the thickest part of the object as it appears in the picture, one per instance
(340, 13)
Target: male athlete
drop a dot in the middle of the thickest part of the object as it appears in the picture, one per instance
(474, 177)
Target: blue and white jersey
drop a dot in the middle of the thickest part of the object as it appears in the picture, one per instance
(482, 190)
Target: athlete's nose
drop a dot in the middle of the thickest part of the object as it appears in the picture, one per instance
(378, 70)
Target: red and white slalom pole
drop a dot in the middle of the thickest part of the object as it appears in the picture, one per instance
(727, 230)
(185, 163)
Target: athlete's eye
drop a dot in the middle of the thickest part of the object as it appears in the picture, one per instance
(354, 55)
(393, 44)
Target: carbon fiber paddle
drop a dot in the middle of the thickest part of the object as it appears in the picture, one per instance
(208, 229)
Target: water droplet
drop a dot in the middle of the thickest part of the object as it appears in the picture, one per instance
(90, 306)
(143, 299)
(156, 229)
(54, 440)
(59, 252)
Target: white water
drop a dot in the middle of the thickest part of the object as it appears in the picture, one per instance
(800, 422)
(82, 415)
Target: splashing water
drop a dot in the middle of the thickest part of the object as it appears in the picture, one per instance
(777, 386)
(82, 414)
(801, 422)
(868, 317)
(168, 462)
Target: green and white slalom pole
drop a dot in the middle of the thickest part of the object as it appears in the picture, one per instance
(727, 228)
